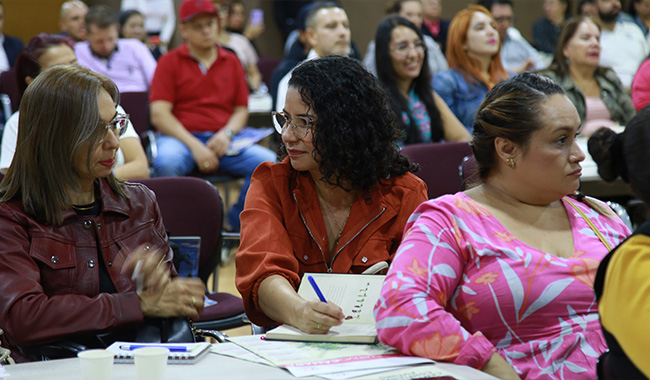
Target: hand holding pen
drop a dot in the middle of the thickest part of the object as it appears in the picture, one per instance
(319, 316)
(160, 294)
(149, 268)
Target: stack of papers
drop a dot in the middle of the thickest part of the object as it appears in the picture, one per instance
(338, 354)
(333, 361)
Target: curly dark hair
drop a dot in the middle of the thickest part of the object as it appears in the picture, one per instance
(421, 85)
(355, 132)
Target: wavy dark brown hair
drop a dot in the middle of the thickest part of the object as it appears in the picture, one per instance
(356, 131)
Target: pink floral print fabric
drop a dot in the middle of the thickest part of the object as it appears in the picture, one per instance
(462, 287)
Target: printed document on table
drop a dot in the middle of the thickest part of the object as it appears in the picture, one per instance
(413, 372)
(235, 351)
(312, 359)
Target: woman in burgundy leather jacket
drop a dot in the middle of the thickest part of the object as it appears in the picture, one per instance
(71, 233)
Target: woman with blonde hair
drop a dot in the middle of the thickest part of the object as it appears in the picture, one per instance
(473, 48)
(72, 233)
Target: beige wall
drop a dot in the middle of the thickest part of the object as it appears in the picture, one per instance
(25, 18)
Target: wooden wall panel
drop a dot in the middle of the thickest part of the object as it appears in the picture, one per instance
(26, 18)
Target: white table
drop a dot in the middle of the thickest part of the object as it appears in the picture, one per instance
(211, 367)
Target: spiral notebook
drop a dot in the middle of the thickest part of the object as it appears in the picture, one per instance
(179, 353)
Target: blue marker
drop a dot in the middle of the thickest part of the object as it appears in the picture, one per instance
(316, 289)
(131, 347)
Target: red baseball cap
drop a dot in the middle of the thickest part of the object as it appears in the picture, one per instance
(192, 8)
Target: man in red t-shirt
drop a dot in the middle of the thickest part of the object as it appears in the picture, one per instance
(199, 100)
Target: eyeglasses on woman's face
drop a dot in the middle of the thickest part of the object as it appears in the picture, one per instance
(401, 50)
(118, 126)
(299, 125)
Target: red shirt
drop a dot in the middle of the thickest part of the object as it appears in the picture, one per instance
(201, 101)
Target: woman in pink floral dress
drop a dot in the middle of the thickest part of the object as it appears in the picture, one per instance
(500, 277)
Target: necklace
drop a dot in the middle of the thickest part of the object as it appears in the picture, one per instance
(84, 208)
(338, 226)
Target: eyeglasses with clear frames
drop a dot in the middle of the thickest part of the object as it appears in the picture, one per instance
(402, 50)
(118, 125)
(300, 125)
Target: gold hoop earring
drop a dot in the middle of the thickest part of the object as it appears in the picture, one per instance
(511, 162)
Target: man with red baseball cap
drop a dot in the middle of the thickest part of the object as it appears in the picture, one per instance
(199, 102)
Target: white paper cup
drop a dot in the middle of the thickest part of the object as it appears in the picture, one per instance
(150, 362)
(96, 364)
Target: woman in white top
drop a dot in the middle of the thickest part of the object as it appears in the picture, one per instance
(412, 11)
(45, 51)
(239, 44)
(159, 16)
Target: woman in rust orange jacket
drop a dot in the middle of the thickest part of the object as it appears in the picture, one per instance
(337, 203)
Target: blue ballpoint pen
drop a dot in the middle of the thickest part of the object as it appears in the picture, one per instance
(316, 289)
(131, 347)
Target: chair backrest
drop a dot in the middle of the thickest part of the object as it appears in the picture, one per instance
(469, 172)
(191, 207)
(439, 165)
(136, 104)
(9, 86)
(266, 65)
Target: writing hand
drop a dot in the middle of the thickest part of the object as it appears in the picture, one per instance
(315, 317)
